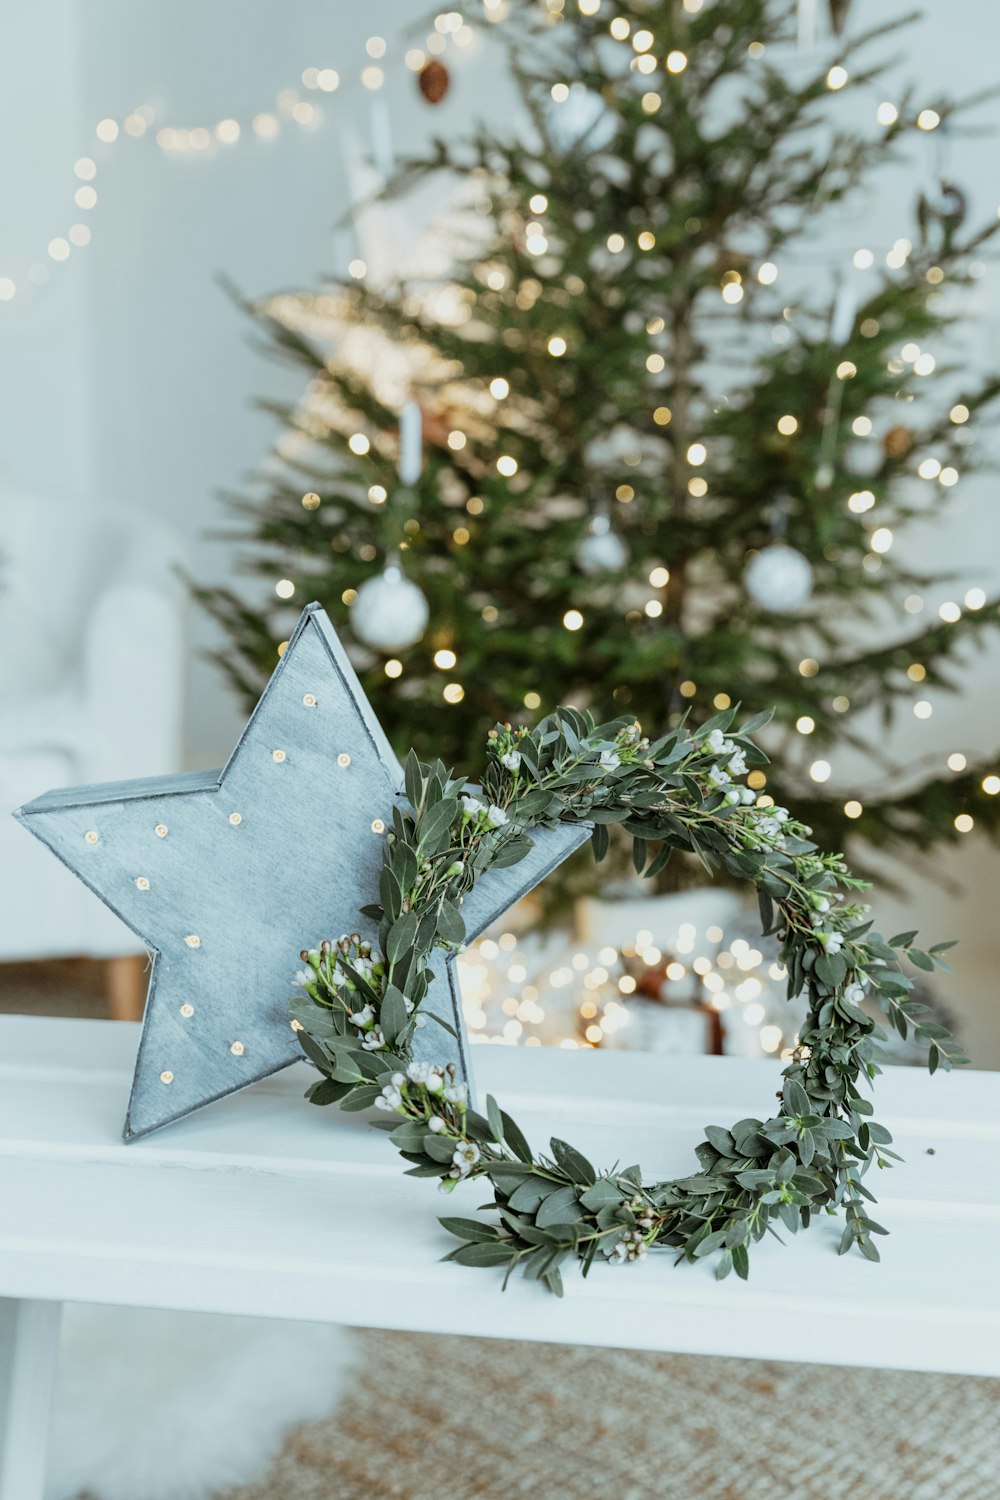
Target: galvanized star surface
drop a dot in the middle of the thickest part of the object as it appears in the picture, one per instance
(226, 875)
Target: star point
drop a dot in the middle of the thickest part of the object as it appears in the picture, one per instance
(226, 875)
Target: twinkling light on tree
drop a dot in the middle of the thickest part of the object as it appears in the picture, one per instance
(630, 392)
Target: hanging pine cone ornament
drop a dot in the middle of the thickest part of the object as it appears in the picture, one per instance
(898, 442)
(433, 80)
(838, 15)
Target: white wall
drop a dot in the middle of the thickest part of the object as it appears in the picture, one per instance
(129, 376)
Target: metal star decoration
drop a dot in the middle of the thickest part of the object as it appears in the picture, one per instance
(226, 875)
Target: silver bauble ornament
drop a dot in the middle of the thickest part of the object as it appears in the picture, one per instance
(779, 578)
(601, 550)
(390, 612)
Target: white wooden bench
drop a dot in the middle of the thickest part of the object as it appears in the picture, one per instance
(264, 1205)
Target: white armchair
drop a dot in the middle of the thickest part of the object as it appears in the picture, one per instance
(91, 683)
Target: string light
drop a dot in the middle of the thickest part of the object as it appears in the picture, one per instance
(573, 620)
(836, 78)
(228, 131)
(956, 761)
(853, 809)
(676, 62)
(928, 119)
(887, 114)
(964, 823)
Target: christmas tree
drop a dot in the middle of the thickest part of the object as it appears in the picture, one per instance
(667, 446)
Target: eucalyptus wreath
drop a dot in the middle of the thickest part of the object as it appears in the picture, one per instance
(357, 1007)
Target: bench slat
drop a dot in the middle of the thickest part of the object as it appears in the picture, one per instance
(260, 1204)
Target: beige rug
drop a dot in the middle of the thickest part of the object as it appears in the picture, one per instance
(434, 1418)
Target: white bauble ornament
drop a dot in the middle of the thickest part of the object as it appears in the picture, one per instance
(601, 550)
(779, 579)
(582, 116)
(390, 612)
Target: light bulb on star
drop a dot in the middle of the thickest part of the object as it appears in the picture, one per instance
(390, 611)
(779, 579)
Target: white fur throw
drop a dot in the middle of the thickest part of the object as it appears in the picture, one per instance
(156, 1405)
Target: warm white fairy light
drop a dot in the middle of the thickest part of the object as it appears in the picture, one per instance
(676, 61)
(572, 620)
(820, 770)
(928, 119)
(863, 259)
(837, 77)
(949, 612)
(887, 114)
(228, 131)
(956, 761)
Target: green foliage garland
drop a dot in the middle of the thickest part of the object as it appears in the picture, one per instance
(359, 1008)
